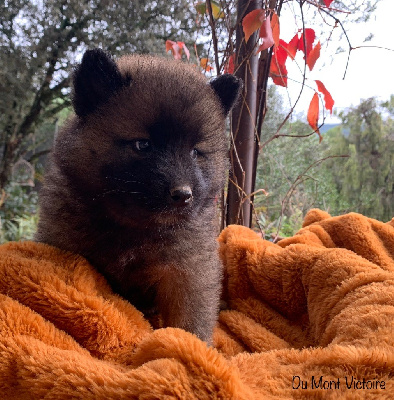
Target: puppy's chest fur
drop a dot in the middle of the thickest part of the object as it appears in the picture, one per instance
(132, 182)
(188, 255)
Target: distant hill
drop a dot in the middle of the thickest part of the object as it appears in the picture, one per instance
(327, 127)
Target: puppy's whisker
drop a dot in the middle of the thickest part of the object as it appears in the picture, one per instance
(107, 192)
(113, 178)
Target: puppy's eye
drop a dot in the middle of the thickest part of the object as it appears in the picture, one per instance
(138, 145)
(194, 153)
(142, 145)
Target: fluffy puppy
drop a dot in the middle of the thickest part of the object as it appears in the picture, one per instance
(132, 181)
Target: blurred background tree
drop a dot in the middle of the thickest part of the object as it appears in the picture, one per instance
(362, 182)
(365, 181)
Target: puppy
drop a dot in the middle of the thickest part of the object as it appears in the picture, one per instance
(133, 179)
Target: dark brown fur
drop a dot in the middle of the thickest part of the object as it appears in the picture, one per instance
(109, 201)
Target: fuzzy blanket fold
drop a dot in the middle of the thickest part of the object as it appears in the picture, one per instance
(309, 317)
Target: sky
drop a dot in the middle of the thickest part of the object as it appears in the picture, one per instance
(370, 70)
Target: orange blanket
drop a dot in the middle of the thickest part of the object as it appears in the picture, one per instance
(310, 317)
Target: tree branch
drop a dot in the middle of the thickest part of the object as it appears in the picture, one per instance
(214, 37)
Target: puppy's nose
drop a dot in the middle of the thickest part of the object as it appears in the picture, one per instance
(181, 195)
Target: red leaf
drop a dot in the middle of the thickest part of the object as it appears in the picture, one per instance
(293, 45)
(278, 76)
(281, 52)
(176, 49)
(309, 39)
(185, 49)
(313, 115)
(278, 70)
(229, 67)
(313, 56)
(275, 28)
(328, 100)
(266, 35)
(252, 21)
(328, 2)
(169, 45)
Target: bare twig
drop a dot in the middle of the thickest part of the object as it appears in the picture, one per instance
(214, 37)
(300, 179)
(302, 85)
(322, 8)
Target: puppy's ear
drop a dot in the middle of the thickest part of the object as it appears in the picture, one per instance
(227, 87)
(95, 80)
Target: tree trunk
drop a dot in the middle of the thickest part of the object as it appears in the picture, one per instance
(6, 160)
(4, 167)
(247, 117)
(243, 125)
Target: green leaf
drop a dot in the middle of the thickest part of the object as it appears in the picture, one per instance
(201, 7)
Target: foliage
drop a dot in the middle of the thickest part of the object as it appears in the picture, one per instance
(291, 191)
(366, 179)
(19, 198)
(362, 182)
(18, 215)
